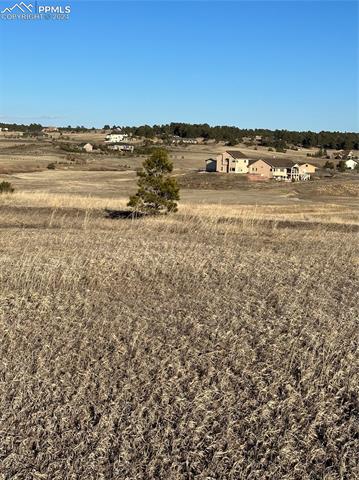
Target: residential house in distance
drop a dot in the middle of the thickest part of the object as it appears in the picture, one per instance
(345, 155)
(306, 169)
(115, 137)
(50, 129)
(4, 129)
(87, 147)
(276, 168)
(177, 139)
(232, 161)
(122, 148)
(351, 164)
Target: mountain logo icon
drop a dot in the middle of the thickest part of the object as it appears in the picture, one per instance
(20, 6)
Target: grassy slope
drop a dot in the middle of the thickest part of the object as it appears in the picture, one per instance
(176, 348)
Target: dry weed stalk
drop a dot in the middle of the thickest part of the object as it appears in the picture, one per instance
(201, 345)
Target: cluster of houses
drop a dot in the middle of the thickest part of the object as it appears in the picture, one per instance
(349, 157)
(234, 161)
(117, 141)
(116, 137)
(50, 130)
(177, 139)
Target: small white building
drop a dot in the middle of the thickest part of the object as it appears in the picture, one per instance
(350, 164)
(122, 148)
(116, 137)
(87, 147)
(176, 140)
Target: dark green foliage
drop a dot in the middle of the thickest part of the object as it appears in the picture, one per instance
(145, 149)
(69, 147)
(232, 142)
(341, 167)
(334, 140)
(51, 166)
(329, 165)
(6, 187)
(157, 192)
(319, 154)
(33, 127)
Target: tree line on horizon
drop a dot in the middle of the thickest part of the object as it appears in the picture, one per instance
(233, 135)
(229, 134)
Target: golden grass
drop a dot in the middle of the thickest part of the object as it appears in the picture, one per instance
(346, 189)
(55, 200)
(208, 344)
(311, 212)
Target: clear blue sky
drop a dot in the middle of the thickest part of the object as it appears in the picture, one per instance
(282, 64)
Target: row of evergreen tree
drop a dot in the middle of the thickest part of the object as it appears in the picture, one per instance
(231, 135)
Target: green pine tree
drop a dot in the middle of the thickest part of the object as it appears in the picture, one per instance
(157, 191)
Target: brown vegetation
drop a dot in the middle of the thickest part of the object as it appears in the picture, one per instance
(175, 348)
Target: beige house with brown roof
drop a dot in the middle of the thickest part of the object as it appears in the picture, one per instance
(306, 168)
(232, 161)
(276, 168)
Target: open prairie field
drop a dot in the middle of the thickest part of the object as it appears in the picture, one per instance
(20, 155)
(24, 163)
(220, 342)
(217, 343)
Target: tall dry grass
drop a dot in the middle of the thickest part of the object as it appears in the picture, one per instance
(176, 348)
(317, 213)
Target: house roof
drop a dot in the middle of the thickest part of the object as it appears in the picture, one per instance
(307, 163)
(236, 154)
(278, 162)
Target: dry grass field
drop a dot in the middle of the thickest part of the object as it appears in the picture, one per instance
(217, 343)
(20, 155)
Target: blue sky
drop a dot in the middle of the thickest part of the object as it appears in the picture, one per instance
(282, 64)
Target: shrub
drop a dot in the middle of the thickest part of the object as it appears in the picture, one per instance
(341, 167)
(329, 165)
(51, 166)
(6, 187)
